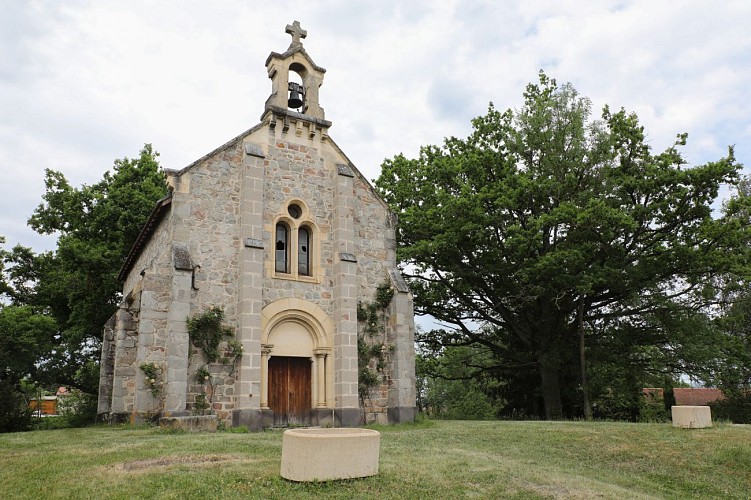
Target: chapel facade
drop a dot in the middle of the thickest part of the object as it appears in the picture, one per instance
(278, 231)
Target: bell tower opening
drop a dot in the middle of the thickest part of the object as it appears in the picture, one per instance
(296, 87)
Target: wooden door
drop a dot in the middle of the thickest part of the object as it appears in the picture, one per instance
(289, 390)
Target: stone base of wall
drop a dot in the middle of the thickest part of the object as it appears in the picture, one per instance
(115, 418)
(347, 417)
(400, 414)
(198, 423)
(254, 420)
(323, 417)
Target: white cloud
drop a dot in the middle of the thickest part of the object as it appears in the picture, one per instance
(85, 82)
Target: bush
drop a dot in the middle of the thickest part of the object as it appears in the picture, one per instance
(78, 408)
(616, 405)
(460, 400)
(49, 423)
(653, 408)
(15, 414)
(736, 408)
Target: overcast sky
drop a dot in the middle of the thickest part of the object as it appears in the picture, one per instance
(85, 82)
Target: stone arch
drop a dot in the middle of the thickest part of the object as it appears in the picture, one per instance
(306, 220)
(303, 330)
(300, 68)
(320, 325)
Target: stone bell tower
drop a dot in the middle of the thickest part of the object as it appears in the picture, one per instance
(295, 63)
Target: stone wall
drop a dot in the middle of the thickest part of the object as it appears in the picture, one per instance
(297, 171)
(375, 239)
(209, 220)
(207, 212)
(155, 254)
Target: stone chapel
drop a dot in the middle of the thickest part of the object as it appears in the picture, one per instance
(279, 231)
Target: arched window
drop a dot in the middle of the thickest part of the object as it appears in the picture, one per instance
(303, 251)
(282, 248)
(296, 253)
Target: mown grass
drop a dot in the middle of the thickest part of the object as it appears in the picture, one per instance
(426, 460)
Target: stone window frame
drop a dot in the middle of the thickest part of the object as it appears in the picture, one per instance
(304, 221)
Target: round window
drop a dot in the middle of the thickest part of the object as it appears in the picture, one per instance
(294, 211)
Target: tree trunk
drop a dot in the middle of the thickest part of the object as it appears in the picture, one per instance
(583, 365)
(551, 390)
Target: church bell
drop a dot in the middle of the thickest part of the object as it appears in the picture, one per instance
(295, 95)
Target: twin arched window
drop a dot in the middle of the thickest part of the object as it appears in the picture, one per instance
(287, 240)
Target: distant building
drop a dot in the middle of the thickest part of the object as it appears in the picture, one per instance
(47, 407)
(696, 397)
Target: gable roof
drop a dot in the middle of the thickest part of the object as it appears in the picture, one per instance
(157, 214)
(291, 51)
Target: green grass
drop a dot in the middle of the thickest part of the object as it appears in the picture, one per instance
(445, 459)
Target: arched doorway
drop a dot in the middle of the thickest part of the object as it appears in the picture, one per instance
(296, 368)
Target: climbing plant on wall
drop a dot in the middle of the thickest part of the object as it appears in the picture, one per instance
(372, 317)
(217, 342)
(153, 379)
(152, 373)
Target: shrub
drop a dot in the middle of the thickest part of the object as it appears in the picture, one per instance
(49, 423)
(78, 408)
(617, 405)
(460, 400)
(736, 408)
(653, 410)
(15, 414)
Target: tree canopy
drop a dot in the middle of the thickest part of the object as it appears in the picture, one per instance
(546, 229)
(76, 286)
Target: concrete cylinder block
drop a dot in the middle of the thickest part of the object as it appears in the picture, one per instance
(329, 454)
(691, 417)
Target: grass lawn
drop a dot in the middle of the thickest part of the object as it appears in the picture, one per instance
(445, 459)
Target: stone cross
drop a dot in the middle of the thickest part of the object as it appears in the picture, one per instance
(297, 32)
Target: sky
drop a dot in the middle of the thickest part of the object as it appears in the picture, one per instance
(83, 83)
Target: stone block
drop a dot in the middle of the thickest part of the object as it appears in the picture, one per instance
(347, 417)
(400, 414)
(691, 417)
(254, 419)
(329, 454)
(199, 423)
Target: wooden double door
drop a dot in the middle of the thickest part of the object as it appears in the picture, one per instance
(290, 390)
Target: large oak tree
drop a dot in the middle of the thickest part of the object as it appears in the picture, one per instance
(545, 223)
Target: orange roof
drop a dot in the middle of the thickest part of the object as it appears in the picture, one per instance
(696, 397)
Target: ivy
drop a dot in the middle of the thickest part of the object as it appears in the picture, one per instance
(206, 332)
(202, 375)
(384, 294)
(372, 316)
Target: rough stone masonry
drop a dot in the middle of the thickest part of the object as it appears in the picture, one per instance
(279, 230)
